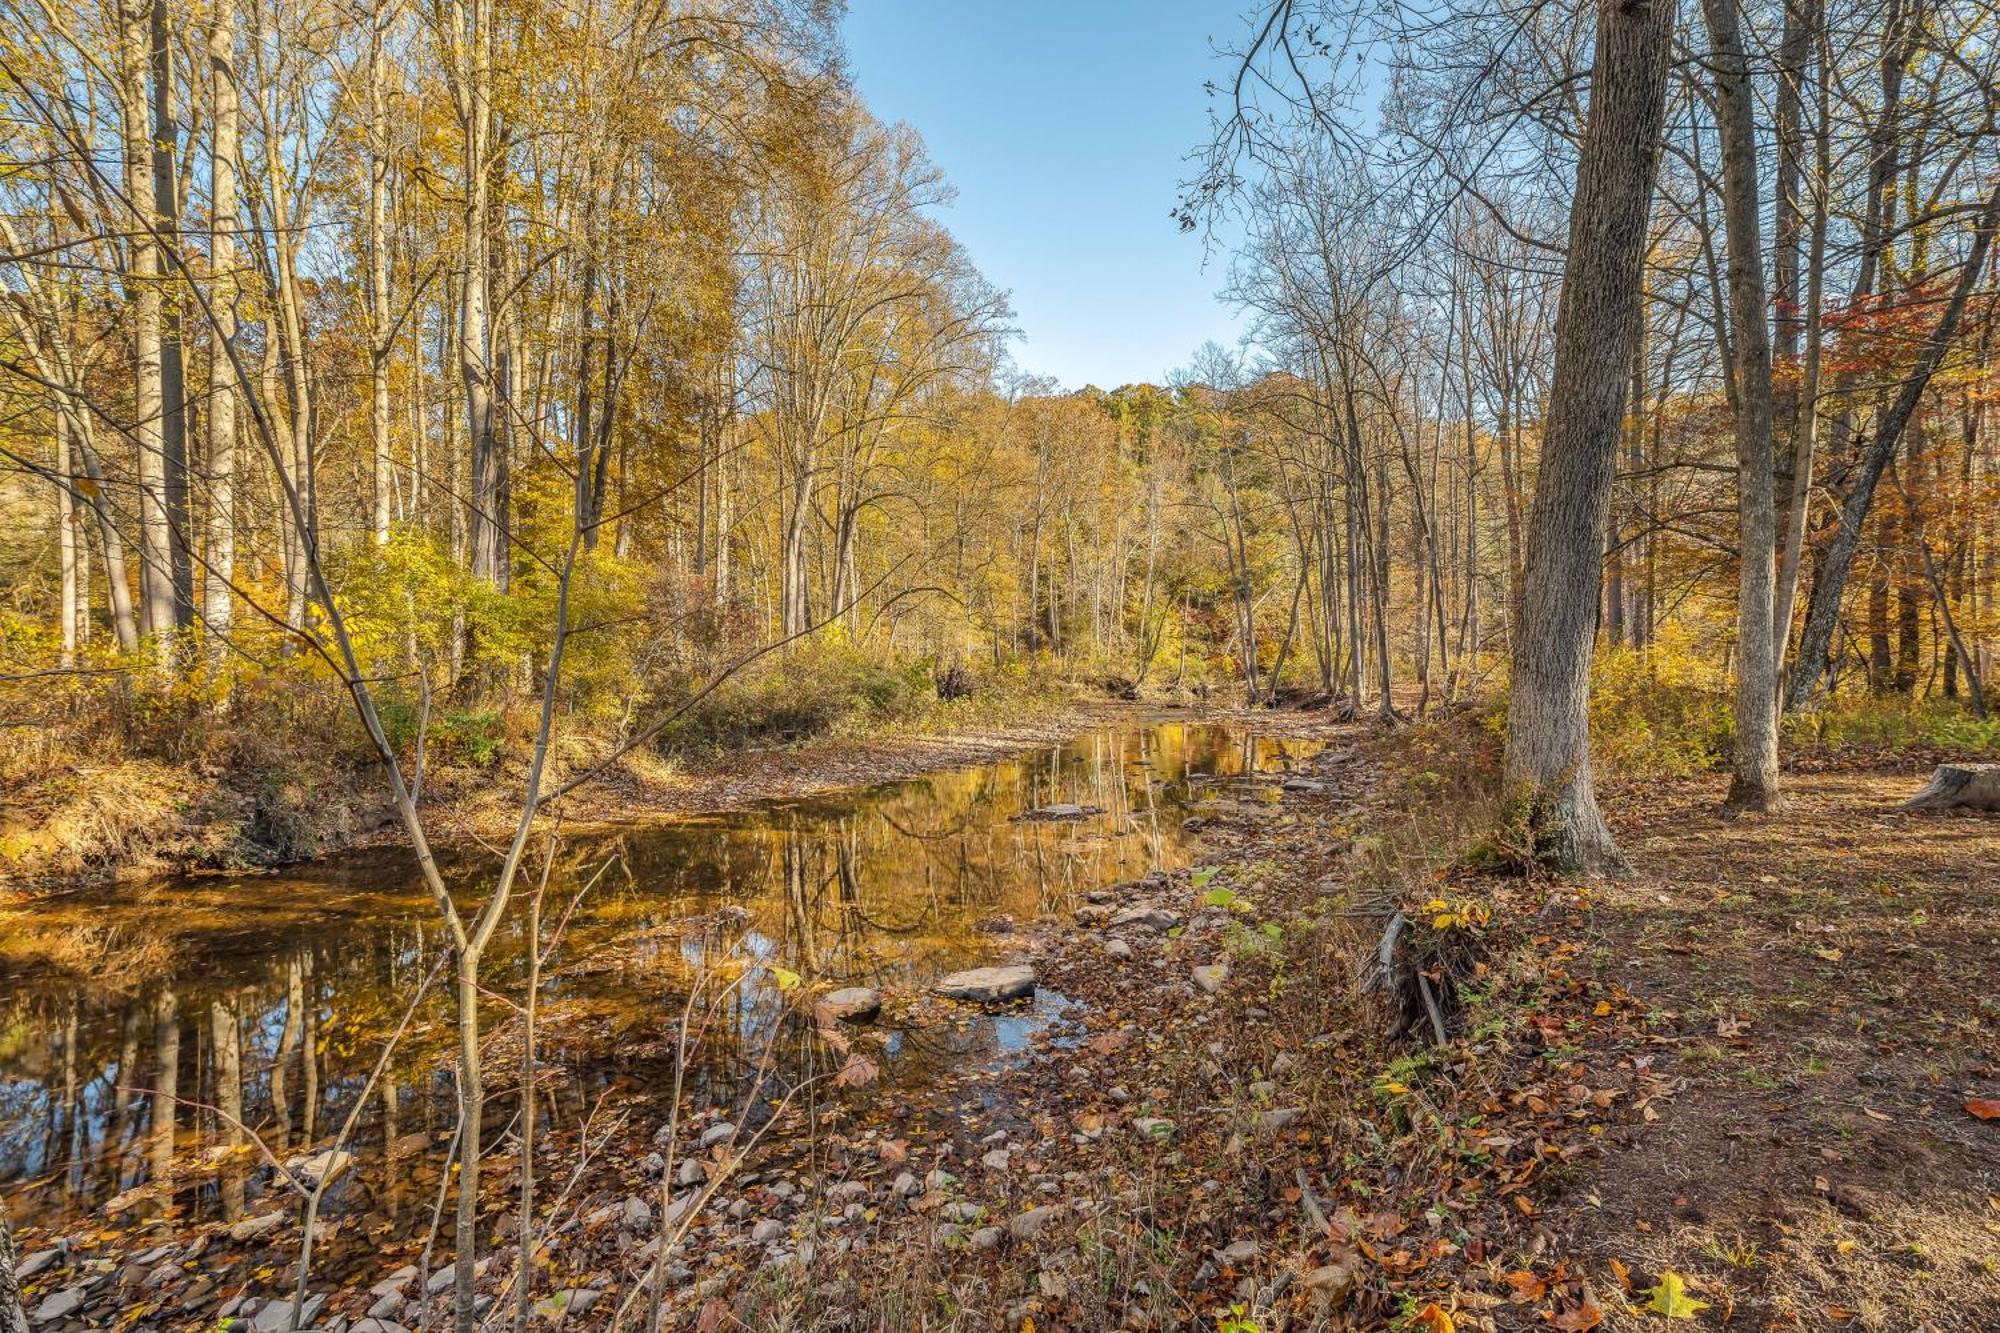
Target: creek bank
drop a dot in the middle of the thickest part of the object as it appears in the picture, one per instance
(136, 820)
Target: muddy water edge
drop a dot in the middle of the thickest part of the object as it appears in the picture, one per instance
(137, 1022)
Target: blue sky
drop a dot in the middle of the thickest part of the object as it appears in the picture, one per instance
(1064, 128)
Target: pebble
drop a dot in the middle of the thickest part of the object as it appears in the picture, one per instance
(691, 1172)
(1116, 948)
(1211, 977)
(987, 1238)
(719, 1132)
(767, 1230)
(637, 1214)
(997, 1160)
(906, 1185)
(1028, 1225)
(652, 1166)
(252, 1227)
(1242, 1252)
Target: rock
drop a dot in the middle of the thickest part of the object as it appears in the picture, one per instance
(1028, 1225)
(767, 1230)
(637, 1214)
(1272, 1122)
(1117, 949)
(410, 1144)
(1959, 787)
(691, 1172)
(1239, 1253)
(568, 1301)
(252, 1227)
(388, 1304)
(35, 1264)
(988, 984)
(441, 1280)
(1329, 1285)
(906, 1185)
(846, 1192)
(1144, 916)
(937, 1178)
(1154, 1127)
(61, 1305)
(987, 1238)
(321, 1166)
(718, 1133)
(652, 1166)
(999, 1159)
(1263, 1090)
(853, 1004)
(1303, 785)
(276, 1315)
(963, 1211)
(376, 1324)
(1212, 977)
(1064, 810)
(1053, 1285)
(1119, 1093)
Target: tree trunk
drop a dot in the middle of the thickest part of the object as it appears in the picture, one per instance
(217, 604)
(1754, 782)
(1597, 331)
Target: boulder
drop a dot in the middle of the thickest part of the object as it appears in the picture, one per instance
(988, 984)
(853, 1004)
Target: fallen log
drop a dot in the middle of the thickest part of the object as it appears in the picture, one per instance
(1959, 787)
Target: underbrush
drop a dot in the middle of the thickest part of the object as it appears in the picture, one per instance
(830, 689)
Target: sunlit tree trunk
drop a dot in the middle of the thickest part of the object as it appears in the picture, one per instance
(1754, 780)
(1597, 328)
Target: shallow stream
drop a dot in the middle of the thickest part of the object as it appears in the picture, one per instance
(124, 1005)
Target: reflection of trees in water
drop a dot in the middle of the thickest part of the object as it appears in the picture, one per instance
(128, 1056)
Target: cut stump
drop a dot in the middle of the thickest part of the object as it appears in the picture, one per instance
(1959, 787)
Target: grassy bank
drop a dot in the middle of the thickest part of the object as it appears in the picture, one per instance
(125, 776)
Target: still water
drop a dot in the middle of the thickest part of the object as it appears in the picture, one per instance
(131, 1017)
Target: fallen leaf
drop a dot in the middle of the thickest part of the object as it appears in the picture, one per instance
(1622, 1273)
(1585, 1316)
(1670, 1297)
(1527, 1287)
(1985, 1108)
(1434, 1320)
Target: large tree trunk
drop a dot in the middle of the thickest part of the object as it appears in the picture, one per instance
(1597, 331)
(1754, 783)
(156, 586)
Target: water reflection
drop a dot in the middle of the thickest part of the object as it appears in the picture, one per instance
(148, 1032)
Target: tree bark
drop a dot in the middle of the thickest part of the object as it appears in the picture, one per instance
(1597, 330)
(1754, 782)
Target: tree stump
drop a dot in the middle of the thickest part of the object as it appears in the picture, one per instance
(1959, 787)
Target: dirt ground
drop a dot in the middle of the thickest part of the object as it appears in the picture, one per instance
(1826, 981)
